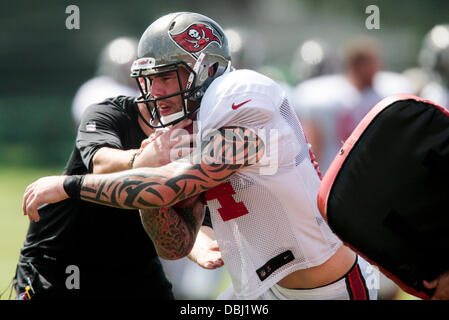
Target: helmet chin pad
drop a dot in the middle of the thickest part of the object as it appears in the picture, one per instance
(173, 117)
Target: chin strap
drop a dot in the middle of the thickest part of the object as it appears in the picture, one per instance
(172, 117)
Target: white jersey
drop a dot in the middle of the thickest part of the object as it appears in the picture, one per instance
(387, 83)
(336, 107)
(265, 217)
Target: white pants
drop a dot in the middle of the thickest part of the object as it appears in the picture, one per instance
(360, 283)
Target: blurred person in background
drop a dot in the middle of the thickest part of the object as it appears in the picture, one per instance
(434, 59)
(388, 83)
(112, 76)
(418, 78)
(114, 255)
(313, 58)
(332, 105)
(247, 48)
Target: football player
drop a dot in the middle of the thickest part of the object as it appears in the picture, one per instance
(434, 58)
(328, 119)
(252, 166)
(111, 79)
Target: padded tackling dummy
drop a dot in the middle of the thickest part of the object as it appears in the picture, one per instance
(386, 193)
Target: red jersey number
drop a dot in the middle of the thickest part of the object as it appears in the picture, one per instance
(230, 209)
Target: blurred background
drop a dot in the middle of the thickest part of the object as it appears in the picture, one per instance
(43, 65)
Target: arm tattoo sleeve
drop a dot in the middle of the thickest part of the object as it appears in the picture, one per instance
(221, 154)
(173, 231)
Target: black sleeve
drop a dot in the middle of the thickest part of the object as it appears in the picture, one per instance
(99, 127)
(207, 221)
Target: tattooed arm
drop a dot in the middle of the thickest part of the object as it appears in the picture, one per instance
(222, 154)
(173, 231)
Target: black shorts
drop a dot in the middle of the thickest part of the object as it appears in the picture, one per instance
(50, 281)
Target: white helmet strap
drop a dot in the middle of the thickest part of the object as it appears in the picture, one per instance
(172, 117)
(197, 69)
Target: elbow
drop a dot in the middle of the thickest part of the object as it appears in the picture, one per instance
(99, 167)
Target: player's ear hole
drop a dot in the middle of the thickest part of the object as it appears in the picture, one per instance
(213, 69)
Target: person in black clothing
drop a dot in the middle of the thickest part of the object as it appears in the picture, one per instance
(108, 247)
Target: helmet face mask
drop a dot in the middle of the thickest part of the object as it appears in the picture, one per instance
(180, 40)
(144, 79)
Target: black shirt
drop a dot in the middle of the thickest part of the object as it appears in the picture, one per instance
(96, 238)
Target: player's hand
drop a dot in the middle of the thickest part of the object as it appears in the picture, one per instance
(42, 191)
(209, 257)
(165, 146)
(205, 252)
(441, 284)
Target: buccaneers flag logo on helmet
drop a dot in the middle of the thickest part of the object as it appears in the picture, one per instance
(196, 37)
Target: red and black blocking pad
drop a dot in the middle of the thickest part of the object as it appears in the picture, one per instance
(386, 193)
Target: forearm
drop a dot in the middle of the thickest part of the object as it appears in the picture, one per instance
(173, 232)
(108, 160)
(137, 189)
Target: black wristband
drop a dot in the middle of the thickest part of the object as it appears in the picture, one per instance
(72, 185)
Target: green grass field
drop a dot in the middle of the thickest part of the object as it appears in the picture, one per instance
(13, 225)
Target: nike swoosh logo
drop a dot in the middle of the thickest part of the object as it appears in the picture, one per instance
(236, 106)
